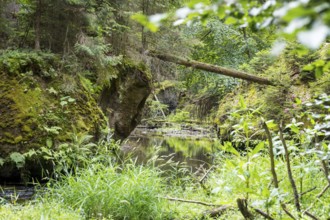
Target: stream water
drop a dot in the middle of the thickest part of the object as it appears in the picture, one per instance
(191, 153)
(195, 154)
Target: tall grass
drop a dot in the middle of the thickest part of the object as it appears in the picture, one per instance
(131, 192)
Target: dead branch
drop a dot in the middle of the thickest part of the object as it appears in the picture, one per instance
(323, 191)
(190, 201)
(311, 215)
(206, 174)
(264, 214)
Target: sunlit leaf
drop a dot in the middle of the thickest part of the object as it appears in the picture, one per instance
(144, 20)
(258, 148)
(228, 147)
(231, 20)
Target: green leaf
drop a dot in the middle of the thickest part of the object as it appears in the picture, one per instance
(51, 90)
(318, 72)
(242, 177)
(258, 148)
(271, 125)
(63, 103)
(319, 63)
(18, 158)
(228, 147)
(221, 12)
(308, 67)
(143, 20)
(71, 100)
(242, 103)
(297, 12)
(298, 101)
(49, 143)
(2, 161)
(231, 20)
(294, 129)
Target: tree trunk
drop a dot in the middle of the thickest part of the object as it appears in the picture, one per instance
(145, 10)
(37, 25)
(211, 68)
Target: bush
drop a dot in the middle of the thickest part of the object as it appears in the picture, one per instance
(179, 116)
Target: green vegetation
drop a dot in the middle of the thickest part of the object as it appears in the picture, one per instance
(130, 192)
(38, 210)
(78, 76)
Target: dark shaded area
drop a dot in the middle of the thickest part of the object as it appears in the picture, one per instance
(122, 102)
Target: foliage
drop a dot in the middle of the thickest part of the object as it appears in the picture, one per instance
(18, 159)
(179, 116)
(156, 109)
(94, 59)
(26, 62)
(69, 157)
(307, 21)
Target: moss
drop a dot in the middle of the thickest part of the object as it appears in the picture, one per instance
(140, 66)
(18, 139)
(21, 105)
(26, 129)
(30, 112)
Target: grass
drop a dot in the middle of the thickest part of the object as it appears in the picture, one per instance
(131, 192)
(134, 192)
(38, 211)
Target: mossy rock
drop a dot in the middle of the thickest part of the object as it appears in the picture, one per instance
(124, 99)
(34, 111)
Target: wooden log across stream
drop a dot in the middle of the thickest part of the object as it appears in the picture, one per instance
(210, 68)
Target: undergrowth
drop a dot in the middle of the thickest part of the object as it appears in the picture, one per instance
(296, 184)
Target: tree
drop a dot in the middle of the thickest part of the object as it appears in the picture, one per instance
(306, 21)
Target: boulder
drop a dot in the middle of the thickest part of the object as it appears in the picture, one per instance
(123, 100)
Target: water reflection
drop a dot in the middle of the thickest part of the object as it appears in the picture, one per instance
(195, 153)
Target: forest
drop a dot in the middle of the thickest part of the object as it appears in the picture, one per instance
(164, 110)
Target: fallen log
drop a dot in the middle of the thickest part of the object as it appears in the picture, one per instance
(210, 68)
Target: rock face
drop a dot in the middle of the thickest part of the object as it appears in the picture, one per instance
(124, 99)
(36, 113)
(169, 97)
(32, 118)
(43, 110)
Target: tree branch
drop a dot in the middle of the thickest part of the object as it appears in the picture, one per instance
(265, 215)
(189, 201)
